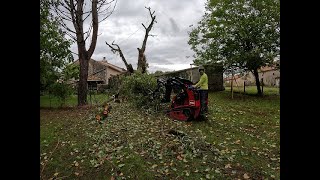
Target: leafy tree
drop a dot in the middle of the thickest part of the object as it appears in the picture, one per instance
(238, 33)
(54, 47)
(71, 71)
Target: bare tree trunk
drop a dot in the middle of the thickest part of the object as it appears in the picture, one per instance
(83, 84)
(142, 61)
(256, 75)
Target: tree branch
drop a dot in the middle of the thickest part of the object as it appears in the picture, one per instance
(144, 26)
(88, 32)
(114, 50)
(110, 11)
(148, 29)
(95, 27)
(66, 27)
(73, 15)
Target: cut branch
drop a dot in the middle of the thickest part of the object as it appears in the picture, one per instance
(114, 50)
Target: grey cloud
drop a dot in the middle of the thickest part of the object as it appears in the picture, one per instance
(174, 25)
(169, 47)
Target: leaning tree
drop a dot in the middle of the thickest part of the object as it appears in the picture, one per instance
(81, 20)
(244, 34)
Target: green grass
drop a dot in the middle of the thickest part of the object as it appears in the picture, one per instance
(241, 137)
(251, 90)
(72, 101)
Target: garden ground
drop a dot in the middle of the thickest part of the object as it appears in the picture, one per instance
(240, 139)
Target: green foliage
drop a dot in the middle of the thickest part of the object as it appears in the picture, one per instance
(139, 89)
(71, 71)
(54, 47)
(238, 32)
(60, 90)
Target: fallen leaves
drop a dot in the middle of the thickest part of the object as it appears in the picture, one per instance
(246, 176)
(121, 165)
(227, 166)
(76, 164)
(237, 141)
(129, 135)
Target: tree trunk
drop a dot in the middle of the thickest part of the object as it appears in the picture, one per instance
(256, 75)
(83, 84)
(142, 62)
(128, 66)
(76, 11)
(84, 55)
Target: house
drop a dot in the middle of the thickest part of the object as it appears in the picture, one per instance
(214, 72)
(269, 75)
(99, 72)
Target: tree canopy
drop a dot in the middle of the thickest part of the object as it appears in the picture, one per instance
(54, 47)
(242, 33)
(239, 32)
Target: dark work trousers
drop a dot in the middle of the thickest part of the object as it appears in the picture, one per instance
(203, 98)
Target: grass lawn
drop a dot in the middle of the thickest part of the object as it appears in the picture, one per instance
(240, 139)
(72, 101)
(251, 90)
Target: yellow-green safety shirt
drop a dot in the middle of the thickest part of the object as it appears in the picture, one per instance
(203, 82)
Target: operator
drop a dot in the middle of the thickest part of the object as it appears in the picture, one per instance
(203, 84)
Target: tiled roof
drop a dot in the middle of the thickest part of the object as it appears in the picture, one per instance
(112, 66)
(105, 63)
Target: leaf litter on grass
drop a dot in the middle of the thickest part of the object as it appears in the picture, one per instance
(127, 134)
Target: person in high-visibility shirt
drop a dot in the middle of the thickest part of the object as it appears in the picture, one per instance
(203, 84)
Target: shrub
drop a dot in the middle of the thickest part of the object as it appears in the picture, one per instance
(139, 89)
(61, 90)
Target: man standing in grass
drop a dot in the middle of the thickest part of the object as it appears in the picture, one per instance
(203, 85)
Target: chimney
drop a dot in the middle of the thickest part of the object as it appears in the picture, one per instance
(104, 59)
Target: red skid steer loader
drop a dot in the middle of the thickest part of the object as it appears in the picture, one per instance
(185, 105)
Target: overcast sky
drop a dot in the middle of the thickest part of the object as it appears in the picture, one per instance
(167, 51)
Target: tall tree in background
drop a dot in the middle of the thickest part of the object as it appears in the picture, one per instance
(54, 47)
(241, 33)
(73, 15)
